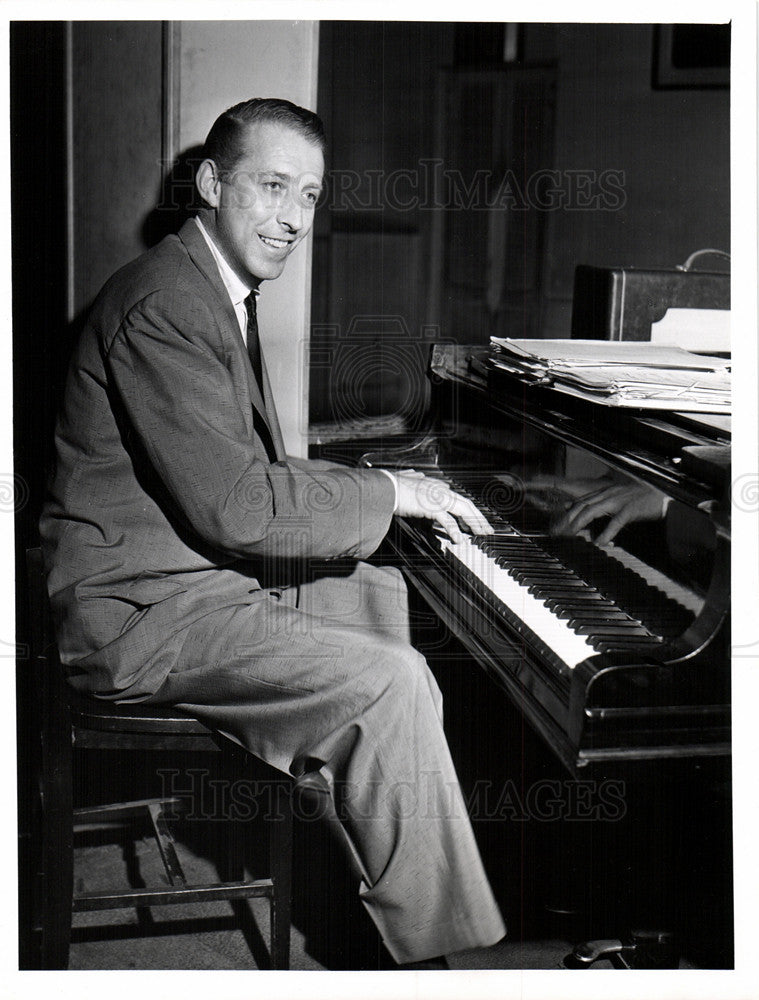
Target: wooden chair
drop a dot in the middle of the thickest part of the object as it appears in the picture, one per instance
(71, 726)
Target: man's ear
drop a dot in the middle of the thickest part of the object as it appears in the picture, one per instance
(208, 183)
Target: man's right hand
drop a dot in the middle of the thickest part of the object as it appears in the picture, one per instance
(422, 496)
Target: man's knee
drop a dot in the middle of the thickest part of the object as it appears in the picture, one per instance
(399, 673)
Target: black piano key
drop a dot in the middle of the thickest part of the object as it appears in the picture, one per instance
(571, 598)
(619, 630)
(550, 588)
(575, 619)
(648, 644)
(515, 555)
(564, 607)
(524, 559)
(580, 614)
(559, 580)
(535, 568)
(642, 647)
(528, 576)
(583, 617)
(518, 557)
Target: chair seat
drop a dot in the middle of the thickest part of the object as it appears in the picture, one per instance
(88, 712)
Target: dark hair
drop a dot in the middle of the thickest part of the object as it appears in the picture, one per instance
(225, 142)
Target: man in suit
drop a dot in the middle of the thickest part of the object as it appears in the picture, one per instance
(193, 563)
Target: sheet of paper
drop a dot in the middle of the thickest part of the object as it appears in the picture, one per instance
(601, 352)
(693, 329)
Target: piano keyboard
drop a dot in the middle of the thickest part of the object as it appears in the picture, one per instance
(570, 647)
(573, 596)
(571, 617)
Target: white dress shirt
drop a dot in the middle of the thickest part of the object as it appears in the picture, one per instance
(238, 291)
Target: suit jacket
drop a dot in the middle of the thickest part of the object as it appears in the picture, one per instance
(164, 504)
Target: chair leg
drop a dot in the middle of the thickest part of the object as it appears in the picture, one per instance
(232, 868)
(57, 848)
(280, 861)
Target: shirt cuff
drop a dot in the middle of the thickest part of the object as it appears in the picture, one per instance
(394, 481)
(665, 504)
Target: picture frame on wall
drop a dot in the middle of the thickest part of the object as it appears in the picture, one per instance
(688, 56)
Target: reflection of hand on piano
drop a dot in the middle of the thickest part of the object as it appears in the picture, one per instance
(421, 496)
(574, 504)
(622, 503)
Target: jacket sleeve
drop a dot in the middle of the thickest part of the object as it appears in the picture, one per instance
(179, 397)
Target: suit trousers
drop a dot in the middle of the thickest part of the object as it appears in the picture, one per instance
(324, 673)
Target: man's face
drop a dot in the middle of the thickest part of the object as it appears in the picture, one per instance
(265, 206)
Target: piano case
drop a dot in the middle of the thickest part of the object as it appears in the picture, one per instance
(620, 303)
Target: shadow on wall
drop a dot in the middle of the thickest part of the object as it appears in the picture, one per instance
(177, 200)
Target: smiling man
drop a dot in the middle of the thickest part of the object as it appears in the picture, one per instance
(193, 563)
(261, 203)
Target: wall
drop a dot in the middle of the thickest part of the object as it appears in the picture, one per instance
(377, 91)
(377, 86)
(115, 147)
(38, 233)
(673, 146)
(118, 135)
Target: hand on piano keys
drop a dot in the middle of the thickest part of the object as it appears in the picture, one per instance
(422, 496)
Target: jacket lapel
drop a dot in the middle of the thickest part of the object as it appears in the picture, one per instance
(197, 248)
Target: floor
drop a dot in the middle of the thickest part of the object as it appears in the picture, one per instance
(200, 936)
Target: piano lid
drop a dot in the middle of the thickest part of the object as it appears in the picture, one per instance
(684, 455)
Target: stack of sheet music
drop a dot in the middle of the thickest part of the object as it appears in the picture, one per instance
(619, 373)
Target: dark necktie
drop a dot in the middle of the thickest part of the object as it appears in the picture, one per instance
(254, 353)
(254, 343)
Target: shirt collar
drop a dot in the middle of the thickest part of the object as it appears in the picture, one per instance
(237, 289)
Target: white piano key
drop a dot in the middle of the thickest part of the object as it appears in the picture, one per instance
(568, 646)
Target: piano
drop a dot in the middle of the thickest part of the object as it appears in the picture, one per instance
(618, 654)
